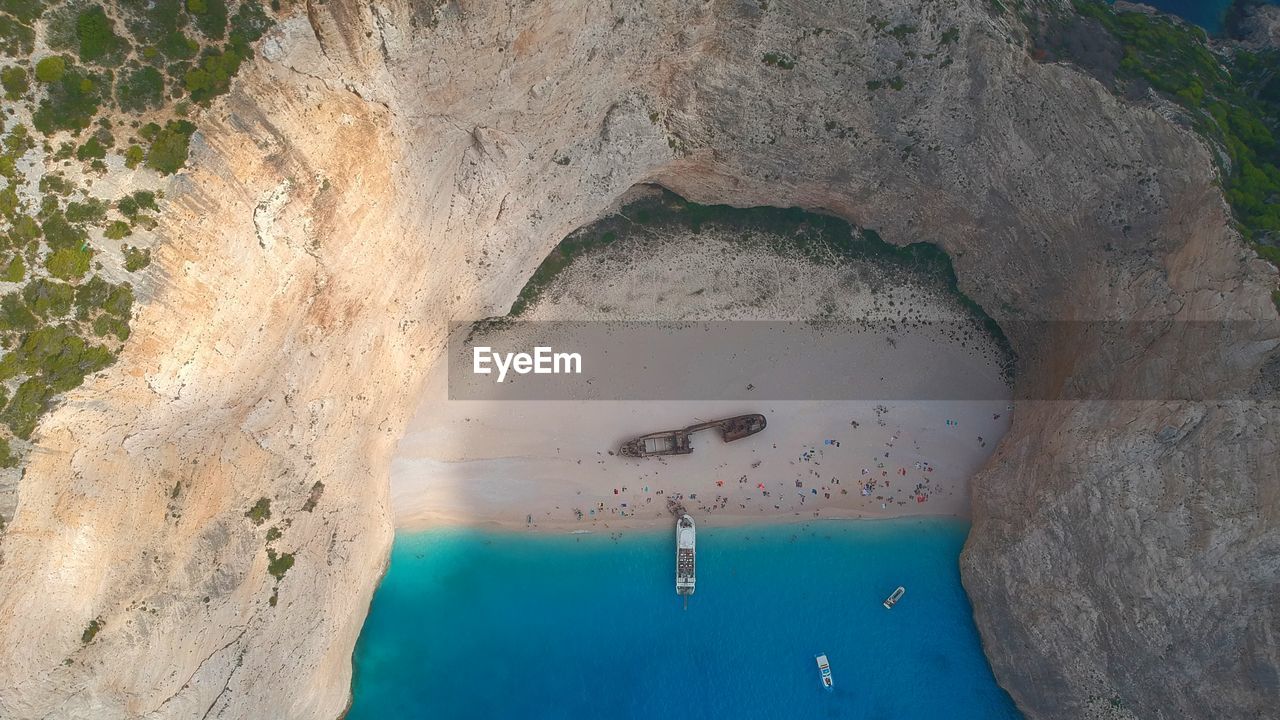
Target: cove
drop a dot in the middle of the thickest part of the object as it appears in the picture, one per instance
(470, 624)
(1208, 14)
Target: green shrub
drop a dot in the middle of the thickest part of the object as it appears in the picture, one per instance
(150, 20)
(24, 228)
(8, 201)
(60, 25)
(260, 512)
(50, 69)
(59, 233)
(71, 104)
(57, 360)
(91, 149)
(140, 90)
(56, 183)
(14, 315)
(213, 76)
(127, 206)
(15, 82)
(48, 298)
(97, 39)
(1270, 253)
(15, 271)
(98, 294)
(57, 355)
(134, 156)
(249, 24)
(68, 263)
(91, 295)
(90, 632)
(26, 11)
(131, 205)
(900, 32)
(779, 60)
(278, 565)
(16, 38)
(119, 301)
(211, 17)
(117, 230)
(28, 403)
(105, 325)
(136, 258)
(92, 210)
(168, 152)
(177, 46)
(7, 458)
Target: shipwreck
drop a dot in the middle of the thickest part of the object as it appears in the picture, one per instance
(677, 442)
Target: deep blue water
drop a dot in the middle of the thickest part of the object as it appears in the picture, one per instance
(483, 625)
(1208, 14)
(1205, 13)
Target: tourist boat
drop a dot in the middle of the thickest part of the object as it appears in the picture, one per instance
(824, 670)
(686, 559)
(678, 442)
(893, 599)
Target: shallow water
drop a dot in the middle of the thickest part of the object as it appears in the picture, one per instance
(471, 625)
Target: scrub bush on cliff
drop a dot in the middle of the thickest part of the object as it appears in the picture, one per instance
(72, 100)
(168, 152)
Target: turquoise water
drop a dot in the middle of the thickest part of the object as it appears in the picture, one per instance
(483, 625)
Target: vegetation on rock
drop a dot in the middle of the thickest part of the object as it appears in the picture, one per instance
(136, 259)
(112, 85)
(278, 565)
(90, 632)
(1231, 95)
(260, 512)
(779, 60)
(823, 238)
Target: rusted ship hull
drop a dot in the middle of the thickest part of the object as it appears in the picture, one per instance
(678, 442)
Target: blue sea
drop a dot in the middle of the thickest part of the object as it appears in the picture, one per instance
(1208, 14)
(473, 624)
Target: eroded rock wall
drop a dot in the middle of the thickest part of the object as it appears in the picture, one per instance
(387, 167)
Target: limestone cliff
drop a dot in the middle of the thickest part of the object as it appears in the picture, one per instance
(387, 167)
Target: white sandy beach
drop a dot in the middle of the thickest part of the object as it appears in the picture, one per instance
(549, 465)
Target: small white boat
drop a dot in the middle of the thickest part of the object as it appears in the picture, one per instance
(893, 599)
(824, 669)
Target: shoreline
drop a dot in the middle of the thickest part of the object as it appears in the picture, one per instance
(426, 524)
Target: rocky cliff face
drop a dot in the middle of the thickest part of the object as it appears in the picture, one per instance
(386, 168)
(1257, 25)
